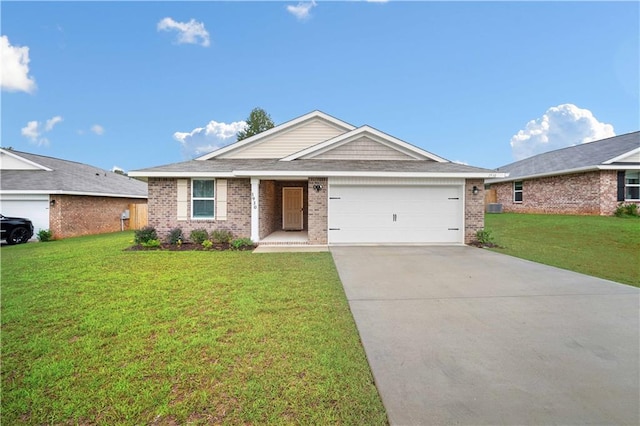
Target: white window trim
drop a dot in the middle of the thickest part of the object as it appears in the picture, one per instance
(630, 185)
(518, 190)
(212, 199)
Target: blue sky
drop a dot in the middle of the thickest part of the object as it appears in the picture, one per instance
(140, 84)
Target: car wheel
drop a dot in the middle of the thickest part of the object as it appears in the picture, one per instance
(18, 235)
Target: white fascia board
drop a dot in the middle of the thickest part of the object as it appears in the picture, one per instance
(183, 174)
(277, 129)
(568, 172)
(541, 175)
(24, 160)
(623, 156)
(406, 148)
(282, 173)
(58, 192)
(630, 166)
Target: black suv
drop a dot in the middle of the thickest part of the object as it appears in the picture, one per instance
(16, 230)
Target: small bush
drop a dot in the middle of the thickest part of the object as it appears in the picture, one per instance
(207, 244)
(144, 235)
(221, 236)
(484, 237)
(151, 243)
(241, 243)
(199, 236)
(625, 210)
(45, 235)
(175, 236)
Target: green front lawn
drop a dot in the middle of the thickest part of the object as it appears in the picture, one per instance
(94, 334)
(606, 247)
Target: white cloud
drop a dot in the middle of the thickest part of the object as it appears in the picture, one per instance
(214, 135)
(192, 32)
(14, 75)
(34, 130)
(52, 122)
(302, 10)
(97, 129)
(116, 169)
(559, 127)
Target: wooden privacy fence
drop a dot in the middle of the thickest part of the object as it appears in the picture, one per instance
(138, 216)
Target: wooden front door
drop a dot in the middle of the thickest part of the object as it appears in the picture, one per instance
(292, 209)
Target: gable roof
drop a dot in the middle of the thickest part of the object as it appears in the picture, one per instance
(58, 176)
(282, 128)
(380, 137)
(597, 155)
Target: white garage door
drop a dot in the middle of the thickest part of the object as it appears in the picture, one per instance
(395, 214)
(33, 207)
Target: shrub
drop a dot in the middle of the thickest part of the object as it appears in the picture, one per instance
(151, 243)
(175, 236)
(484, 237)
(207, 244)
(221, 236)
(145, 234)
(241, 243)
(199, 236)
(624, 210)
(45, 235)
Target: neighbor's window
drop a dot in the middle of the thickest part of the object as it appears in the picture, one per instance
(517, 191)
(632, 185)
(202, 198)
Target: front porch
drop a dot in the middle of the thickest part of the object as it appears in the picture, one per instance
(289, 212)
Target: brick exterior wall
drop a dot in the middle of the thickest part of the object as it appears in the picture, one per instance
(268, 217)
(163, 195)
(76, 215)
(473, 209)
(317, 211)
(589, 193)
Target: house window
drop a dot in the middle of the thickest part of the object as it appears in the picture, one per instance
(202, 198)
(517, 191)
(632, 185)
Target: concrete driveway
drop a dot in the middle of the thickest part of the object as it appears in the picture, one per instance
(461, 335)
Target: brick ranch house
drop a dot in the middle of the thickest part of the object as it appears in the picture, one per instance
(68, 198)
(324, 179)
(586, 179)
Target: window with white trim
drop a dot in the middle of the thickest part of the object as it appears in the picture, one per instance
(203, 198)
(632, 185)
(517, 191)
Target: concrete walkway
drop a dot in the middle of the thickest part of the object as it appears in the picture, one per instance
(461, 335)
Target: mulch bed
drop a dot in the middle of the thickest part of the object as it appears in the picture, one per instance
(188, 247)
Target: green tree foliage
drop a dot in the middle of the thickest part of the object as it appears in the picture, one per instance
(258, 122)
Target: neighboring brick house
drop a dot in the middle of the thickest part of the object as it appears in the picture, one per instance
(587, 179)
(68, 198)
(326, 180)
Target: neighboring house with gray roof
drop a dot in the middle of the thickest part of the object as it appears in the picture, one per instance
(323, 181)
(588, 179)
(68, 198)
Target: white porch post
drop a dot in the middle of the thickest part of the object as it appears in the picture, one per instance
(255, 209)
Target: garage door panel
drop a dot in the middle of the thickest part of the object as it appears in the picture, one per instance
(395, 214)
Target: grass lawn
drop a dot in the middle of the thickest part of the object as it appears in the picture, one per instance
(606, 247)
(92, 334)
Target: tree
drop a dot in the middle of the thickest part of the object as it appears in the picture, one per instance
(258, 122)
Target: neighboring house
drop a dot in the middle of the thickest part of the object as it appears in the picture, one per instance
(68, 198)
(587, 179)
(328, 180)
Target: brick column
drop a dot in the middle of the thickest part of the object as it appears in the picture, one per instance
(317, 215)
